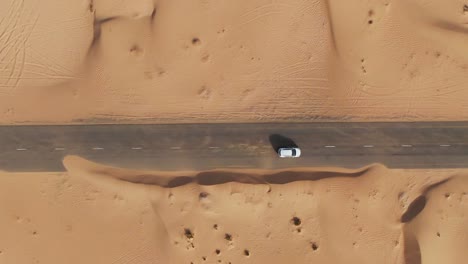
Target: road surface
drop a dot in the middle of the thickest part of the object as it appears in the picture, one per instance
(209, 146)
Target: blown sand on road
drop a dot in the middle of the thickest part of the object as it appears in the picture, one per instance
(143, 61)
(99, 214)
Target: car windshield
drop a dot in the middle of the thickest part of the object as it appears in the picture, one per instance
(293, 152)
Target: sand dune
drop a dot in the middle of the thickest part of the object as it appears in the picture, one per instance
(244, 61)
(212, 177)
(98, 214)
(438, 232)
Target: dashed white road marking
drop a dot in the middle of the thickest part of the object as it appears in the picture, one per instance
(215, 147)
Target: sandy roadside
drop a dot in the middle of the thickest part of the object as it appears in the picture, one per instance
(97, 214)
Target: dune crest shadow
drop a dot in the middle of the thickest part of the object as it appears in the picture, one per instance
(213, 177)
(412, 250)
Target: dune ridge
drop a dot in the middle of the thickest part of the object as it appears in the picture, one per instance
(213, 177)
(167, 188)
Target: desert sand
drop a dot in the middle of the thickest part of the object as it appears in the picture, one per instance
(96, 214)
(174, 61)
(142, 61)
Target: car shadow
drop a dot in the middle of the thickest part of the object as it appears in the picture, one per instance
(278, 141)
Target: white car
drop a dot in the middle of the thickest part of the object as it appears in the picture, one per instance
(289, 152)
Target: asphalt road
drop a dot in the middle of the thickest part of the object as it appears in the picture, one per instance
(209, 146)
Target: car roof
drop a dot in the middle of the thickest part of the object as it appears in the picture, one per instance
(292, 148)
